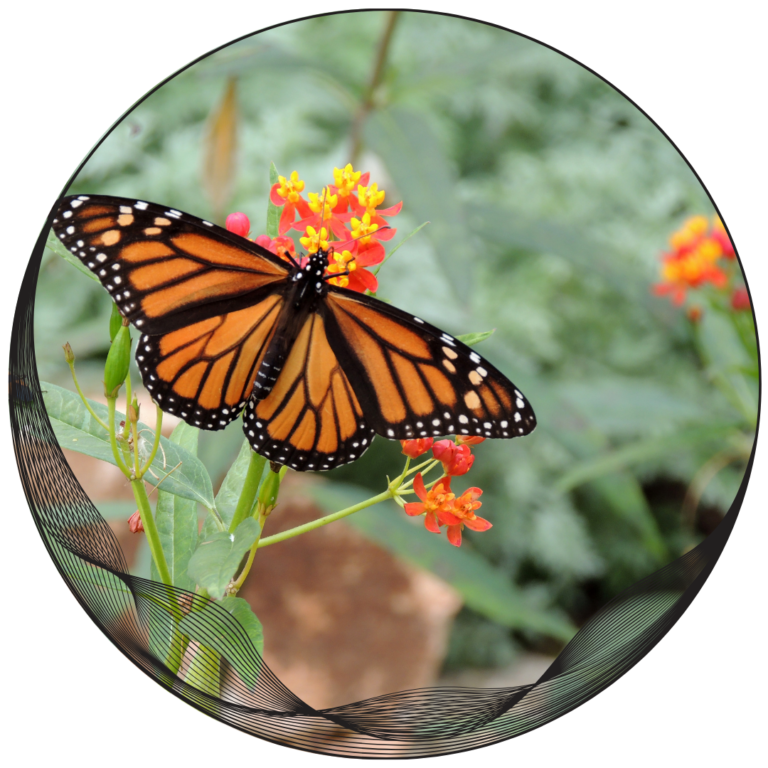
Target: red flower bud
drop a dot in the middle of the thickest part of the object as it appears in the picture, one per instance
(238, 224)
(740, 299)
(443, 450)
(456, 459)
(695, 313)
(415, 448)
(135, 524)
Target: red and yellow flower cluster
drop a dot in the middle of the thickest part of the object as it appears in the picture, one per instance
(344, 216)
(440, 505)
(695, 260)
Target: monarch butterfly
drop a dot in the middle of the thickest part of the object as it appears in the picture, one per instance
(227, 326)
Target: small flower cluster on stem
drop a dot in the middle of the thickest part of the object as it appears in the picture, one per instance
(438, 502)
(701, 254)
(345, 217)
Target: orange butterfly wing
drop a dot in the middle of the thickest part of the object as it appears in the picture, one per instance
(413, 380)
(165, 269)
(311, 419)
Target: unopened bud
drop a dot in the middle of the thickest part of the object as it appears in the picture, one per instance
(268, 492)
(134, 523)
(133, 411)
(115, 322)
(118, 360)
(239, 224)
(69, 355)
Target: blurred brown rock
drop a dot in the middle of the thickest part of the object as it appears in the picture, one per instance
(343, 619)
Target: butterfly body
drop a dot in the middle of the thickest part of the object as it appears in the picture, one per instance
(228, 327)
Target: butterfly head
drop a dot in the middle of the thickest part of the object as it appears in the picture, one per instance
(311, 274)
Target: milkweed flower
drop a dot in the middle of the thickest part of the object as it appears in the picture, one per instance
(693, 260)
(287, 193)
(281, 246)
(456, 459)
(462, 513)
(415, 448)
(438, 500)
(719, 234)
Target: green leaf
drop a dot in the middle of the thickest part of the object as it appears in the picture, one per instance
(176, 519)
(495, 223)
(217, 558)
(214, 629)
(56, 246)
(76, 430)
(638, 452)
(619, 490)
(470, 339)
(273, 211)
(232, 487)
(484, 589)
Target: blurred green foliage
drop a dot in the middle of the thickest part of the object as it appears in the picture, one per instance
(549, 197)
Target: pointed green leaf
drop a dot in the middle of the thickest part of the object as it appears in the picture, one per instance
(470, 339)
(217, 558)
(56, 246)
(76, 430)
(273, 211)
(176, 519)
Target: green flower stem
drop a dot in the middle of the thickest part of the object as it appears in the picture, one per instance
(153, 539)
(135, 435)
(235, 588)
(121, 465)
(367, 103)
(265, 504)
(84, 399)
(156, 444)
(248, 494)
(127, 392)
(289, 534)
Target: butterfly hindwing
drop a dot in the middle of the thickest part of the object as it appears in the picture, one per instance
(204, 372)
(413, 380)
(312, 418)
(165, 269)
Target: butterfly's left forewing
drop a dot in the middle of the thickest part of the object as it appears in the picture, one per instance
(414, 380)
(165, 269)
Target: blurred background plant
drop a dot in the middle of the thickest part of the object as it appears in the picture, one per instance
(550, 198)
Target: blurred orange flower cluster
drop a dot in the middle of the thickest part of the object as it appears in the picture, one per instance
(439, 504)
(344, 216)
(700, 251)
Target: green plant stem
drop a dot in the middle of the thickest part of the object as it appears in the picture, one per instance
(321, 521)
(156, 444)
(84, 399)
(378, 70)
(128, 392)
(250, 488)
(150, 529)
(235, 588)
(135, 435)
(121, 465)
